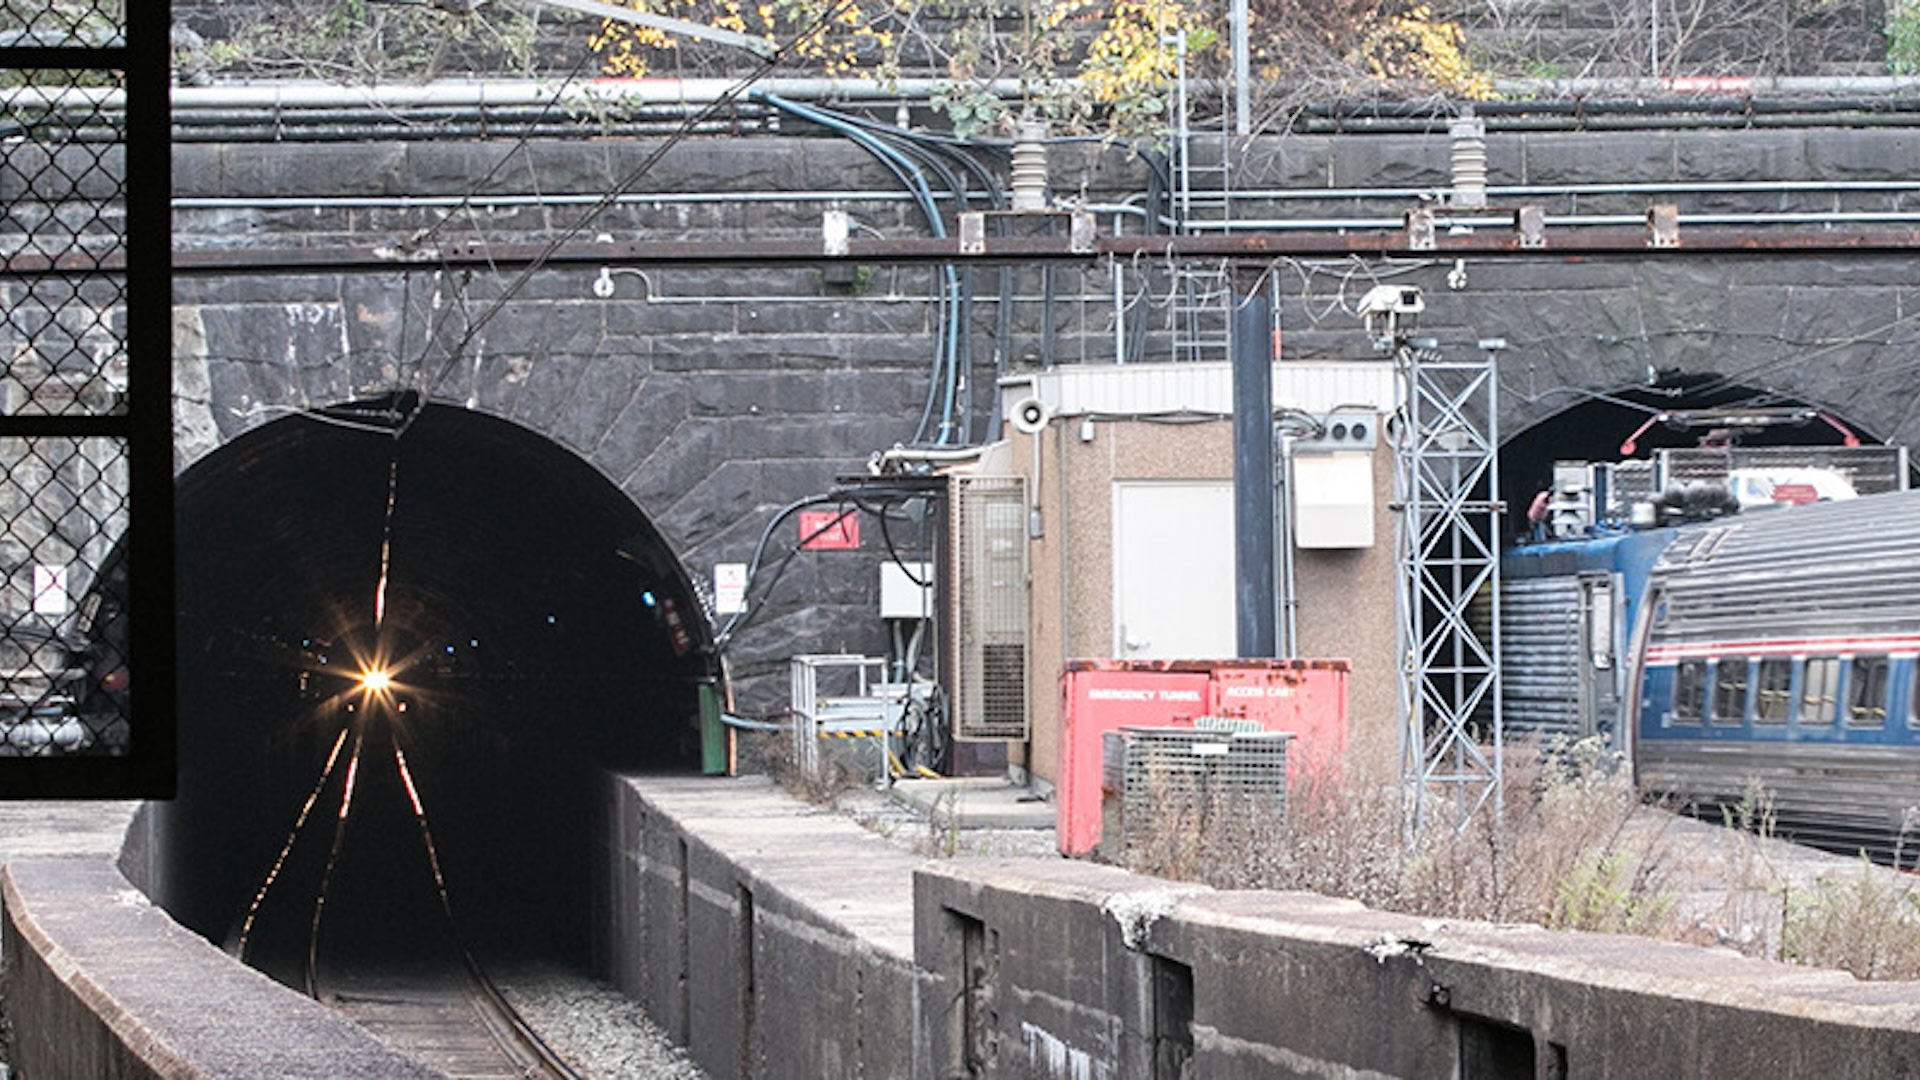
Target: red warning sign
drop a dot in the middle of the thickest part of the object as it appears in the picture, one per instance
(829, 530)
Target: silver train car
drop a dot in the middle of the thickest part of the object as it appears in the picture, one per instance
(1764, 661)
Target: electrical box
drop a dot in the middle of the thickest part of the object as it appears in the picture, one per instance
(1333, 499)
(1357, 429)
(1331, 481)
(906, 590)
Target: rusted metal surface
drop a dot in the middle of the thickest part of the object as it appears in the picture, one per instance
(1596, 241)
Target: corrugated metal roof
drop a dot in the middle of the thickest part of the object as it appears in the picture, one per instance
(1203, 388)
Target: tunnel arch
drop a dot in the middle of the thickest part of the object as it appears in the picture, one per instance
(1600, 426)
(532, 618)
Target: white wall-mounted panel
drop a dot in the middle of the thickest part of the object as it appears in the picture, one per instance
(1333, 500)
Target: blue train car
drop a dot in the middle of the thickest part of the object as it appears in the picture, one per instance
(1770, 651)
(1567, 607)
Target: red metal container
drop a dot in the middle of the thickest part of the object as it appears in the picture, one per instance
(1106, 695)
(1305, 697)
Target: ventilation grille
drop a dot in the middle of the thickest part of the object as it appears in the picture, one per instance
(989, 545)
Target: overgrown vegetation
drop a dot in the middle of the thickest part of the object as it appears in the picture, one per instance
(362, 41)
(1573, 848)
(1903, 37)
(1085, 65)
(1866, 923)
(1103, 66)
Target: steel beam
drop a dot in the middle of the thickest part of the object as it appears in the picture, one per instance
(1598, 242)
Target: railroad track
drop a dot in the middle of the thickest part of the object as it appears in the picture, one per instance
(450, 1020)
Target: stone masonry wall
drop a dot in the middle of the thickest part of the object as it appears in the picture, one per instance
(713, 396)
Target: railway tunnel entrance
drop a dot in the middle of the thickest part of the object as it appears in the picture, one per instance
(527, 616)
(1671, 411)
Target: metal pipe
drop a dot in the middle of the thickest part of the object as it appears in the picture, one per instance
(1287, 634)
(1491, 223)
(428, 202)
(1517, 95)
(902, 455)
(416, 133)
(1784, 86)
(1241, 28)
(490, 92)
(1118, 276)
(1511, 191)
(1483, 224)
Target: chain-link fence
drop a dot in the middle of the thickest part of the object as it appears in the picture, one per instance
(85, 429)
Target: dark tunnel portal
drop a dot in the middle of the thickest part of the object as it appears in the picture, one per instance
(1594, 429)
(524, 616)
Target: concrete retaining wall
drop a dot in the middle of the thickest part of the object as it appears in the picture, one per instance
(770, 935)
(101, 985)
(776, 939)
(1091, 972)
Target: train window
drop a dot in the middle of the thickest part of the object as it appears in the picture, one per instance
(1773, 690)
(1867, 692)
(1818, 684)
(1730, 691)
(1689, 691)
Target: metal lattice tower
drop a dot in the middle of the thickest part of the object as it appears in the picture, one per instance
(1447, 539)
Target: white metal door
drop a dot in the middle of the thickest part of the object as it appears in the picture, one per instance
(1173, 579)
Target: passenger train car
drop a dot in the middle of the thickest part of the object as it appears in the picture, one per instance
(1773, 647)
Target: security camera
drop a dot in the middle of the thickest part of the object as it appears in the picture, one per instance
(1392, 300)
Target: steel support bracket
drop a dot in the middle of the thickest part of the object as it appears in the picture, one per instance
(1531, 223)
(1420, 230)
(973, 233)
(1664, 220)
(1080, 233)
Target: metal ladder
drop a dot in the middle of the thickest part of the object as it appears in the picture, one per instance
(1201, 307)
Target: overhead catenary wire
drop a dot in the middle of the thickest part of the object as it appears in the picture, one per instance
(720, 101)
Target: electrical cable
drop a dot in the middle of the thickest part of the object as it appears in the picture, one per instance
(725, 635)
(946, 376)
(841, 497)
(960, 150)
(721, 102)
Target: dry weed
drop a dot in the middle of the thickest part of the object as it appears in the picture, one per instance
(1558, 853)
(1573, 846)
(822, 784)
(1866, 923)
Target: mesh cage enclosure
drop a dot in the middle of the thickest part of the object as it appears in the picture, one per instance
(988, 542)
(1186, 791)
(86, 555)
